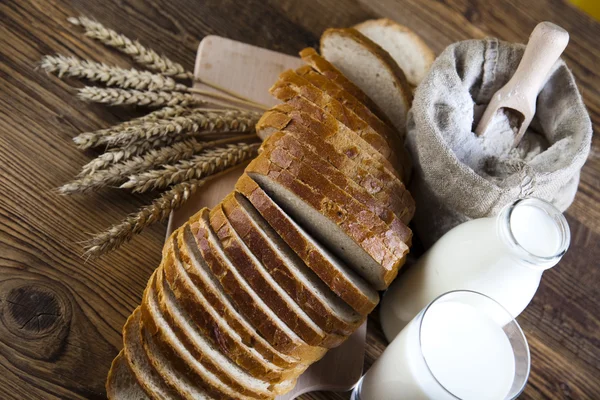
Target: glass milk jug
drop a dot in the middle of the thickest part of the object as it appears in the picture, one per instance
(502, 257)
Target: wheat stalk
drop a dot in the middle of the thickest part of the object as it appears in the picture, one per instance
(110, 76)
(118, 173)
(128, 78)
(121, 154)
(193, 123)
(86, 140)
(158, 211)
(140, 54)
(205, 164)
(117, 97)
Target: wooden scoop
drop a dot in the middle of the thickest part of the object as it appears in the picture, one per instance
(517, 99)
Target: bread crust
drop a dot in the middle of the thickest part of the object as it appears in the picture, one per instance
(362, 301)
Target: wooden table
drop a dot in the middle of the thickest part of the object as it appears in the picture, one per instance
(61, 315)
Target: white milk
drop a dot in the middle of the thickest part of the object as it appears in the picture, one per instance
(461, 347)
(503, 257)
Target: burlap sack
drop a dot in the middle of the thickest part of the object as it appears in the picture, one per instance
(459, 176)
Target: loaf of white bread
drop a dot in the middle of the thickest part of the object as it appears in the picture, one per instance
(287, 266)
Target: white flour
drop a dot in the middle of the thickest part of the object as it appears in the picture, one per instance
(492, 155)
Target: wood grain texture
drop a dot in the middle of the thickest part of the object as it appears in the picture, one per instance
(61, 317)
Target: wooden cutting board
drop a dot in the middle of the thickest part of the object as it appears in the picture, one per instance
(251, 71)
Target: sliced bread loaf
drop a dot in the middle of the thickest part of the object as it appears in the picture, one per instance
(344, 282)
(330, 312)
(407, 48)
(202, 364)
(208, 323)
(372, 69)
(372, 248)
(385, 208)
(145, 374)
(324, 67)
(251, 270)
(121, 383)
(246, 300)
(191, 281)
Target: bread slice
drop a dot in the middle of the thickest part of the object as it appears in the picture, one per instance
(147, 377)
(372, 69)
(192, 282)
(255, 275)
(204, 365)
(246, 300)
(290, 85)
(215, 329)
(336, 148)
(288, 270)
(387, 208)
(407, 48)
(372, 248)
(324, 67)
(121, 384)
(344, 282)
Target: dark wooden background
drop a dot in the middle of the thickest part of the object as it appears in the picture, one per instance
(61, 317)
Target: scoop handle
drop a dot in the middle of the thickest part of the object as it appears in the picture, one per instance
(546, 43)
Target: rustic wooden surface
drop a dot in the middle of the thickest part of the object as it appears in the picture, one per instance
(61, 317)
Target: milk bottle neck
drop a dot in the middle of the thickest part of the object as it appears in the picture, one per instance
(535, 232)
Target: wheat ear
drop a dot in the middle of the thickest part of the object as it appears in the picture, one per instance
(116, 97)
(158, 211)
(110, 76)
(120, 172)
(143, 56)
(86, 140)
(140, 54)
(205, 164)
(194, 123)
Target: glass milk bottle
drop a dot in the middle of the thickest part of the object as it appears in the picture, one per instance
(502, 257)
